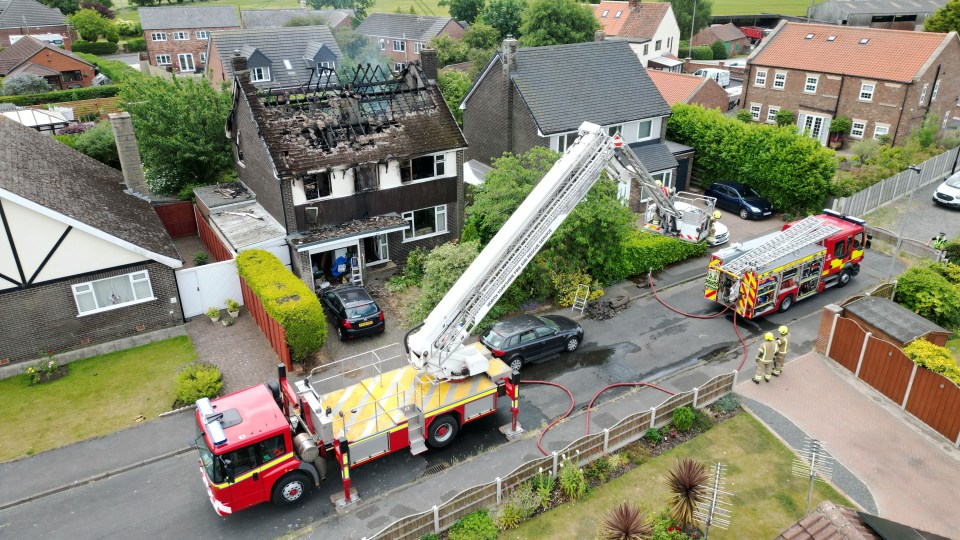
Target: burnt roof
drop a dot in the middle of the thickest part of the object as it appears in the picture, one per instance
(55, 176)
(357, 227)
(375, 117)
(897, 321)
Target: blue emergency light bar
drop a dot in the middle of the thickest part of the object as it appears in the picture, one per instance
(212, 420)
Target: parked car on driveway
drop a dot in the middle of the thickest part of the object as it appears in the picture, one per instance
(948, 193)
(354, 313)
(739, 198)
(527, 338)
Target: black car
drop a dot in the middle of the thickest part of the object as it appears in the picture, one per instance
(530, 337)
(354, 313)
(741, 199)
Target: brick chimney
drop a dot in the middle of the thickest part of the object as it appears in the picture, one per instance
(509, 52)
(239, 64)
(428, 63)
(599, 35)
(130, 162)
(635, 3)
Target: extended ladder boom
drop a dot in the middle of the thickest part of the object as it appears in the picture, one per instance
(804, 233)
(626, 166)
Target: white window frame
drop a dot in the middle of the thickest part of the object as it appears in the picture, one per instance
(869, 94)
(383, 44)
(809, 88)
(565, 140)
(857, 132)
(760, 78)
(646, 49)
(772, 115)
(419, 46)
(755, 110)
(878, 127)
(923, 93)
(669, 43)
(779, 80)
(651, 135)
(657, 45)
(180, 61)
(936, 88)
(439, 212)
(180, 35)
(134, 278)
(330, 65)
(158, 36)
(162, 57)
(614, 129)
(398, 66)
(399, 45)
(260, 74)
(202, 34)
(605, 12)
(203, 58)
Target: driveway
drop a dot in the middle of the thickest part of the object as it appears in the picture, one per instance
(924, 219)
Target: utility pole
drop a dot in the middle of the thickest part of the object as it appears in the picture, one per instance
(903, 222)
(692, 19)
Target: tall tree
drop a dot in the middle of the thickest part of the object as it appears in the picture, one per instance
(454, 85)
(67, 7)
(463, 10)
(360, 7)
(505, 16)
(683, 11)
(946, 19)
(481, 36)
(179, 125)
(90, 24)
(556, 22)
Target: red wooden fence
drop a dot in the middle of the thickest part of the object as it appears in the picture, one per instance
(211, 240)
(886, 368)
(275, 333)
(178, 218)
(936, 400)
(847, 342)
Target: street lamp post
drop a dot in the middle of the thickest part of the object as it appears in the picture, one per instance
(903, 224)
(692, 19)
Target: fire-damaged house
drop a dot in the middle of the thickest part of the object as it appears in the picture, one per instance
(357, 172)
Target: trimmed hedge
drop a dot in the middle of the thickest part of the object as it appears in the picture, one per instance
(644, 252)
(137, 44)
(116, 70)
(929, 294)
(94, 47)
(59, 96)
(197, 380)
(287, 299)
(700, 52)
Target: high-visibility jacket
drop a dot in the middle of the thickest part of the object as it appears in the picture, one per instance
(783, 342)
(939, 243)
(765, 354)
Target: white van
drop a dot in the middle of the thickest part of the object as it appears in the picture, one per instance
(722, 76)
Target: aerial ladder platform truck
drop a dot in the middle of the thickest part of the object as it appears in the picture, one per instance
(273, 442)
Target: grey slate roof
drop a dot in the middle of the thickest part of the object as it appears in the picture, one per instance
(277, 44)
(400, 25)
(13, 13)
(276, 18)
(655, 157)
(601, 82)
(176, 17)
(55, 176)
(897, 321)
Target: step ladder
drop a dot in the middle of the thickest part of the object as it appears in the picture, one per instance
(806, 232)
(415, 429)
(356, 276)
(580, 299)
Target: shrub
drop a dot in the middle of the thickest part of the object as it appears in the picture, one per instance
(128, 28)
(625, 522)
(637, 453)
(201, 258)
(430, 536)
(116, 70)
(287, 300)
(841, 125)
(952, 251)
(933, 357)
(702, 421)
(520, 503)
(683, 418)
(474, 526)
(58, 96)
(664, 528)
(416, 264)
(653, 435)
(728, 402)
(543, 484)
(600, 469)
(136, 44)
(573, 483)
(865, 149)
(94, 47)
(784, 117)
(719, 50)
(687, 483)
(96, 142)
(197, 380)
(444, 265)
(25, 83)
(948, 270)
(744, 116)
(103, 10)
(928, 294)
(700, 52)
(565, 285)
(644, 252)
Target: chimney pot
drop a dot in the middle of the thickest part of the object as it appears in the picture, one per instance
(428, 63)
(130, 163)
(599, 35)
(635, 3)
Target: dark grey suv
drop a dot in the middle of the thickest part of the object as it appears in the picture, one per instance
(528, 338)
(354, 313)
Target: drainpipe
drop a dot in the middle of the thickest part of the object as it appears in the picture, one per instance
(903, 105)
(836, 108)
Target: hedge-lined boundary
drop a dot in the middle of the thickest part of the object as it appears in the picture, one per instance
(645, 252)
(94, 47)
(287, 299)
(116, 70)
(76, 94)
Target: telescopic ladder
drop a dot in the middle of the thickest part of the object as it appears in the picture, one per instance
(806, 232)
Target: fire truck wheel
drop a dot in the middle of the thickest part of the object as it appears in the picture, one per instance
(290, 489)
(786, 304)
(442, 431)
(844, 278)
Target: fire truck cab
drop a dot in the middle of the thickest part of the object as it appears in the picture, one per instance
(773, 272)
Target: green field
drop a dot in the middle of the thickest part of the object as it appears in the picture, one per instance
(422, 7)
(748, 7)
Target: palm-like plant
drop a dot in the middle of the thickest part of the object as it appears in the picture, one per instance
(626, 522)
(687, 482)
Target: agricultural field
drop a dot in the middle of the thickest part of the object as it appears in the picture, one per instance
(422, 7)
(748, 7)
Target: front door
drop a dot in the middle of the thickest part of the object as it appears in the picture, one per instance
(186, 62)
(814, 126)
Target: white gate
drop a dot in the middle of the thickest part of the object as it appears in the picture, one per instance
(207, 286)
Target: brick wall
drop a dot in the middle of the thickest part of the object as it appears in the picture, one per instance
(452, 29)
(256, 170)
(174, 47)
(710, 96)
(524, 128)
(44, 317)
(826, 323)
(58, 62)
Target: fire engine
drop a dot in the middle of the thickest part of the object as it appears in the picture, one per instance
(272, 442)
(774, 271)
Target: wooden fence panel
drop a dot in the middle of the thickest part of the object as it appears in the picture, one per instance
(629, 429)
(715, 389)
(275, 333)
(886, 368)
(409, 528)
(210, 239)
(847, 343)
(178, 218)
(935, 400)
(665, 409)
(466, 502)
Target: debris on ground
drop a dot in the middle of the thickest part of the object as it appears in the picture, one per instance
(601, 310)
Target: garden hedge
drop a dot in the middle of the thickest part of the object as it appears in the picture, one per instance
(933, 357)
(700, 52)
(59, 96)
(929, 294)
(116, 70)
(287, 299)
(644, 252)
(94, 47)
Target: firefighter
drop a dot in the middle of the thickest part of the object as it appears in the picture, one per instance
(783, 343)
(711, 236)
(765, 358)
(938, 243)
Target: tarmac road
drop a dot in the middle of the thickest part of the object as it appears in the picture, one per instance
(166, 499)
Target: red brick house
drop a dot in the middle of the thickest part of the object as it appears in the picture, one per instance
(29, 17)
(177, 36)
(885, 81)
(401, 37)
(60, 67)
(731, 36)
(680, 88)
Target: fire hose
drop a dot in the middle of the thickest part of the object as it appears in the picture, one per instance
(564, 415)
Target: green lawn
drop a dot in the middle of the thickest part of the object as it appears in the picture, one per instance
(747, 7)
(422, 7)
(767, 498)
(99, 396)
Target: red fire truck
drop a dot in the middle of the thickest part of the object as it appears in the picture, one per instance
(273, 441)
(772, 272)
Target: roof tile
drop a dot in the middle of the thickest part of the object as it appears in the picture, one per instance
(640, 21)
(402, 25)
(175, 17)
(675, 87)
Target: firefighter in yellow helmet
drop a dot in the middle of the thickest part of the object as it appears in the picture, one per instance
(711, 236)
(783, 343)
(765, 358)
